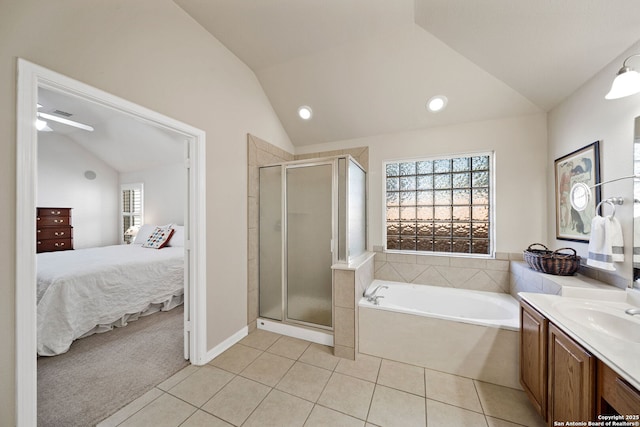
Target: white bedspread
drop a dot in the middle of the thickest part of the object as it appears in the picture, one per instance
(81, 289)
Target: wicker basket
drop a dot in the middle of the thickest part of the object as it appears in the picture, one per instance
(552, 262)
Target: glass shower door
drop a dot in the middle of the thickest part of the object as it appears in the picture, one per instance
(270, 252)
(309, 207)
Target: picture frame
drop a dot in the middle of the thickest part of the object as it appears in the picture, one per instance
(581, 165)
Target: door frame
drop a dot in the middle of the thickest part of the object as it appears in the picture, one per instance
(30, 78)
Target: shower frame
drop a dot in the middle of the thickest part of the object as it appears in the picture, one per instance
(336, 244)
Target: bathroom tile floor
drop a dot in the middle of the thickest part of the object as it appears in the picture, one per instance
(272, 380)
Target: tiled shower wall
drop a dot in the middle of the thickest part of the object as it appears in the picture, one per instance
(261, 153)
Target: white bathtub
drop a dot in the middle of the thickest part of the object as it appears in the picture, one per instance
(463, 332)
(461, 305)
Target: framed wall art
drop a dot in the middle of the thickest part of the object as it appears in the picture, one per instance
(582, 165)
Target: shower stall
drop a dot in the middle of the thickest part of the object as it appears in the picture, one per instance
(312, 216)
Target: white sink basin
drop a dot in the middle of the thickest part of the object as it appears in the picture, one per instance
(608, 319)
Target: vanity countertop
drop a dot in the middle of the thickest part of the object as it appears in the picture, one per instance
(596, 319)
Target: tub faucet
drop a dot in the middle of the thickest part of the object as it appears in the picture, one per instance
(632, 311)
(372, 297)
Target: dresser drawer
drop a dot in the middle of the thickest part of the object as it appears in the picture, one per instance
(54, 212)
(48, 221)
(54, 233)
(53, 245)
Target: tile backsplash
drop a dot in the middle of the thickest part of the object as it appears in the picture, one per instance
(479, 274)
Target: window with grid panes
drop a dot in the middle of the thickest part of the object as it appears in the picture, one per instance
(132, 208)
(439, 205)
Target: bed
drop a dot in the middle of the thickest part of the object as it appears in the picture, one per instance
(85, 291)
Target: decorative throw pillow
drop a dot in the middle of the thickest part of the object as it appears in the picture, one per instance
(159, 238)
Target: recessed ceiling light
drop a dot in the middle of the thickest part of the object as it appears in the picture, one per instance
(437, 103)
(305, 112)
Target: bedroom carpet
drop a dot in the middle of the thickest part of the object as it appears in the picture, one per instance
(103, 372)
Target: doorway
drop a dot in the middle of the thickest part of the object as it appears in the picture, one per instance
(31, 78)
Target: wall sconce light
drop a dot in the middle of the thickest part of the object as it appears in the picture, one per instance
(626, 83)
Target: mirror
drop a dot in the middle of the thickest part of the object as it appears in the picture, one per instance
(579, 196)
(636, 203)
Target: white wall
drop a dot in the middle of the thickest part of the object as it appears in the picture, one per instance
(61, 183)
(586, 117)
(152, 53)
(164, 193)
(519, 144)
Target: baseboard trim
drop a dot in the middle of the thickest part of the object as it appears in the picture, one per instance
(226, 344)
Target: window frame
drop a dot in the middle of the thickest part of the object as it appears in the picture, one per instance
(126, 187)
(492, 205)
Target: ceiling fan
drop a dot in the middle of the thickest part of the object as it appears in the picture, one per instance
(42, 125)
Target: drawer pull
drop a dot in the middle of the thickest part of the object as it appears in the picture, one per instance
(55, 212)
(60, 221)
(57, 245)
(58, 233)
(39, 242)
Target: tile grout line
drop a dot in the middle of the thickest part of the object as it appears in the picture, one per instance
(254, 409)
(426, 414)
(375, 386)
(163, 392)
(147, 404)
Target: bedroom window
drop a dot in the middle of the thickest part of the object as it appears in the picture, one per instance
(440, 205)
(132, 211)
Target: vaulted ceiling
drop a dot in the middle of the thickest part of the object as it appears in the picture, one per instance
(367, 67)
(123, 142)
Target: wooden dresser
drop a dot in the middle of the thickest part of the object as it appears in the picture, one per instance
(53, 230)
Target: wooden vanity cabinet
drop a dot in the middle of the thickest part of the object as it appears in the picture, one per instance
(533, 357)
(557, 374)
(614, 395)
(571, 372)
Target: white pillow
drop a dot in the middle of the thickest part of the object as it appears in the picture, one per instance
(178, 236)
(143, 234)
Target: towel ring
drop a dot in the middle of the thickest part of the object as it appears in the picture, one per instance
(613, 202)
(609, 202)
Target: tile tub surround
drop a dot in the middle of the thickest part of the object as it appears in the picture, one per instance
(349, 283)
(484, 353)
(480, 274)
(320, 389)
(525, 279)
(261, 153)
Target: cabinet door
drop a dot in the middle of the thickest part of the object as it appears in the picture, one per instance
(571, 379)
(533, 356)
